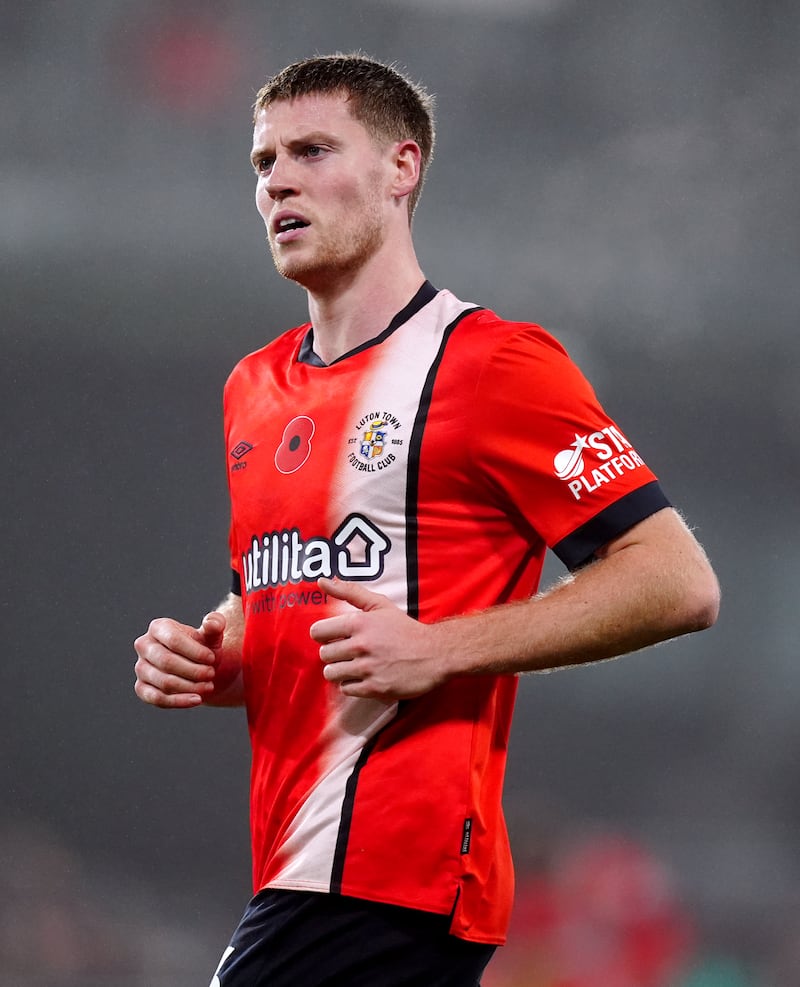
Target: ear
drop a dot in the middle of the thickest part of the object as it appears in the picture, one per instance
(406, 164)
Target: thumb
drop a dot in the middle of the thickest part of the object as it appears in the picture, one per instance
(212, 629)
(356, 594)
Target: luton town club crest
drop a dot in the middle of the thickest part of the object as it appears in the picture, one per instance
(376, 436)
(373, 440)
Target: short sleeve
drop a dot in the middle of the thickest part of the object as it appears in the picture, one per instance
(543, 442)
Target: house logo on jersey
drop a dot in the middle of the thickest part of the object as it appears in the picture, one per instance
(370, 449)
(356, 550)
(295, 444)
(594, 459)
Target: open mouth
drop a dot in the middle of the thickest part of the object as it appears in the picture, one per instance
(289, 223)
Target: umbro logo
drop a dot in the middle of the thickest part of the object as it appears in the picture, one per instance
(239, 451)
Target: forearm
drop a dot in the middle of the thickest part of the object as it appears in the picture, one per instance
(629, 599)
(652, 583)
(228, 683)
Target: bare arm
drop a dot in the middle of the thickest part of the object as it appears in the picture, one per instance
(179, 667)
(652, 583)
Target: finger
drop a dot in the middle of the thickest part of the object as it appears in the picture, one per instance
(359, 690)
(332, 674)
(331, 629)
(212, 628)
(355, 594)
(341, 651)
(341, 673)
(154, 697)
(197, 680)
(362, 689)
(156, 655)
(187, 642)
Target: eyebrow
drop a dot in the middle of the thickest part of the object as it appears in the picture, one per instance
(297, 143)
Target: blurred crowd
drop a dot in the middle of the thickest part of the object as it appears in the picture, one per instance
(599, 910)
(604, 912)
(66, 921)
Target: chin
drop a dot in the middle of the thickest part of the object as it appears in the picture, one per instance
(328, 264)
(310, 274)
(303, 274)
(288, 267)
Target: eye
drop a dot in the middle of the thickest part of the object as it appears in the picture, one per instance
(263, 165)
(313, 151)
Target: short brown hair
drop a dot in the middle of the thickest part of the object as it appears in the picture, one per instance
(385, 101)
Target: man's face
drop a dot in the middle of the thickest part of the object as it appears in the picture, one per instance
(322, 191)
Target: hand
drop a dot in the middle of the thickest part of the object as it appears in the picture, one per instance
(175, 667)
(375, 650)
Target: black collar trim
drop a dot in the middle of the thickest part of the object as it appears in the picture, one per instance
(425, 294)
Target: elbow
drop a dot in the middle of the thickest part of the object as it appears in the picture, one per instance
(706, 610)
(701, 602)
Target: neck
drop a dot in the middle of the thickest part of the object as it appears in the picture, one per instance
(355, 309)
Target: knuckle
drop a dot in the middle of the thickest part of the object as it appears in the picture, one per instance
(358, 647)
(164, 630)
(170, 685)
(147, 694)
(169, 637)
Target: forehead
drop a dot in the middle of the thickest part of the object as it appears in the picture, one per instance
(287, 120)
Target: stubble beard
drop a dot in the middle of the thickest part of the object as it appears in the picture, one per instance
(338, 255)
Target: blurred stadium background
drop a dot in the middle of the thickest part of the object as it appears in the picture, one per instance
(623, 172)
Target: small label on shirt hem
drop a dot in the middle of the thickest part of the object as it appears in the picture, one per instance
(466, 836)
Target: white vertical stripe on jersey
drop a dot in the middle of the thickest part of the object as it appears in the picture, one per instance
(394, 385)
(311, 837)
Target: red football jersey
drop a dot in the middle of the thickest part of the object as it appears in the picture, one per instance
(437, 463)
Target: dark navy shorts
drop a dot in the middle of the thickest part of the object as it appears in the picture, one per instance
(304, 939)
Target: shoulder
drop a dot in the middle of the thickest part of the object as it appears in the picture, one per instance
(498, 349)
(511, 337)
(498, 334)
(514, 370)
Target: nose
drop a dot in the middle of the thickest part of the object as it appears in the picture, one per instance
(280, 182)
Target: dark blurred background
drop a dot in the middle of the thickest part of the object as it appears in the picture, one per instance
(623, 172)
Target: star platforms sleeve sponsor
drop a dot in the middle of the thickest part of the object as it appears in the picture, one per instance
(613, 456)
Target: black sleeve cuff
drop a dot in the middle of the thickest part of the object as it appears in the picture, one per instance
(236, 583)
(578, 548)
